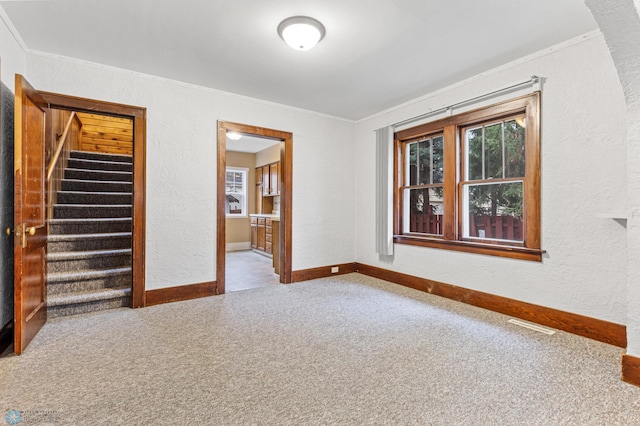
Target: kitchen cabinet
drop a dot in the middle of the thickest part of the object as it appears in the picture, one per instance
(262, 234)
(265, 237)
(268, 177)
(258, 193)
(254, 232)
(266, 181)
(268, 234)
(274, 178)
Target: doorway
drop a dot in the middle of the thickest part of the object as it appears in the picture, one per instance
(33, 123)
(90, 192)
(138, 223)
(251, 208)
(270, 219)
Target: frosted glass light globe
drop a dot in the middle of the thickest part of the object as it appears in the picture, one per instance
(301, 32)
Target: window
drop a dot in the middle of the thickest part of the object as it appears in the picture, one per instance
(423, 189)
(471, 182)
(236, 192)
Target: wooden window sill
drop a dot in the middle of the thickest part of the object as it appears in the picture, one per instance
(514, 252)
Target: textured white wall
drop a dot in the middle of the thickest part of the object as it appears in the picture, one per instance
(619, 21)
(583, 174)
(181, 166)
(12, 57)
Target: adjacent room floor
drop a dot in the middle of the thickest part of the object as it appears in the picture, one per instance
(247, 269)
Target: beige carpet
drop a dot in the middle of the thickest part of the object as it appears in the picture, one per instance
(347, 350)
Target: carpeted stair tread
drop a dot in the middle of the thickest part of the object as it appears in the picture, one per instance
(96, 185)
(76, 255)
(87, 296)
(90, 225)
(94, 198)
(101, 156)
(80, 260)
(71, 237)
(86, 163)
(92, 206)
(84, 174)
(59, 277)
(91, 210)
(88, 242)
(87, 307)
(71, 220)
(88, 280)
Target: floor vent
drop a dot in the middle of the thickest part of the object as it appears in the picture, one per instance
(532, 326)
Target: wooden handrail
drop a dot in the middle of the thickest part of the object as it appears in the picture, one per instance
(59, 147)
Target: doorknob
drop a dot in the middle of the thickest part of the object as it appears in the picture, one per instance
(8, 231)
(31, 231)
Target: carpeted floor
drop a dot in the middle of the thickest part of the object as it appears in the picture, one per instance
(347, 350)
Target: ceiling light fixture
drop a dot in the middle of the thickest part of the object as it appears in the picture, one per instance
(301, 32)
(234, 136)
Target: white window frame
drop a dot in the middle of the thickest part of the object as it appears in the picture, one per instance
(245, 192)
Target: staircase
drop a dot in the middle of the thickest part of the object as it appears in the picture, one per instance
(89, 248)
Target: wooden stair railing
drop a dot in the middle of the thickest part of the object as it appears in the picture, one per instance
(61, 141)
(68, 141)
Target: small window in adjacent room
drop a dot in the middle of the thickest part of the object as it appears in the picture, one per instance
(236, 192)
(471, 182)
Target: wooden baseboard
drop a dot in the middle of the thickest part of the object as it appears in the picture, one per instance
(631, 369)
(180, 293)
(322, 272)
(603, 331)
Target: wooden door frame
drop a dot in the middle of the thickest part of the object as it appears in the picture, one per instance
(286, 185)
(139, 116)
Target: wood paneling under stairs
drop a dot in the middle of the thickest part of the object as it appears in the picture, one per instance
(103, 133)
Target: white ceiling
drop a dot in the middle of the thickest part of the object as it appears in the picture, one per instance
(376, 53)
(251, 144)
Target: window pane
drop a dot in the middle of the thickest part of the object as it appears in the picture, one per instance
(494, 211)
(493, 151)
(413, 164)
(438, 159)
(234, 204)
(423, 210)
(514, 148)
(474, 154)
(238, 179)
(424, 162)
(236, 192)
(229, 181)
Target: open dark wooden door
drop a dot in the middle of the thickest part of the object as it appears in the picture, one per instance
(30, 232)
